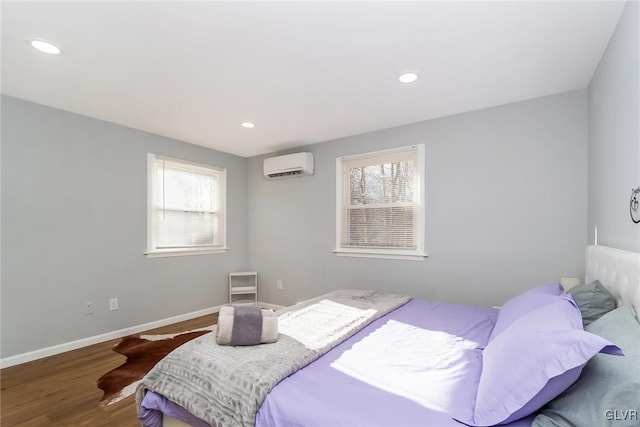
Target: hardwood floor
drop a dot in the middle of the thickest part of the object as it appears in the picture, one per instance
(61, 390)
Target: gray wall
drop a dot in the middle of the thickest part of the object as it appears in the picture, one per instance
(614, 136)
(506, 208)
(74, 229)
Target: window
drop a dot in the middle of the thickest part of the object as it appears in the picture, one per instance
(186, 208)
(380, 204)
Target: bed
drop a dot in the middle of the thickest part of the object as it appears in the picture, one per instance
(432, 364)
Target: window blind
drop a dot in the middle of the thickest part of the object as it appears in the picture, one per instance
(186, 205)
(380, 201)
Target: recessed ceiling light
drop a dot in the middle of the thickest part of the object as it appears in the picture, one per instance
(45, 47)
(408, 77)
(247, 125)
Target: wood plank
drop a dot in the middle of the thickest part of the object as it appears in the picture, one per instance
(61, 390)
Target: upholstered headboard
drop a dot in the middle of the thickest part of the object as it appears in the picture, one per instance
(618, 271)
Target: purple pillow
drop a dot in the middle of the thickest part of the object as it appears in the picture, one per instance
(532, 361)
(523, 303)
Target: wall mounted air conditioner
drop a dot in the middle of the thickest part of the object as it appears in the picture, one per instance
(297, 164)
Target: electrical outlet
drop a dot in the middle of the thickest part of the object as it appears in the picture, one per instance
(88, 308)
(113, 304)
(279, 285)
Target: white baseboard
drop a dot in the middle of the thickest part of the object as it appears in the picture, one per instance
(270, 306)
(84, 342)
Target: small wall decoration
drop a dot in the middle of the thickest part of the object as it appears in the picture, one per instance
(634, 205)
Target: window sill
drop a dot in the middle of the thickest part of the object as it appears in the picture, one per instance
(184, 252)
(372, 253)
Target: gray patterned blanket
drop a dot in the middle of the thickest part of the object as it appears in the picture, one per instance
(226, 385)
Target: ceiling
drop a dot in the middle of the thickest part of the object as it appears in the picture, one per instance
(303, 72)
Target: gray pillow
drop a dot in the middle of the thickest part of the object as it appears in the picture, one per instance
(593, 299)
(606, 394)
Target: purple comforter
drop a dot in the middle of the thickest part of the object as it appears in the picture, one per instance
(320, 395)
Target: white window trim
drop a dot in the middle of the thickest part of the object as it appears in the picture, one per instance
(184, 252)
(387, 253)
(151, 252)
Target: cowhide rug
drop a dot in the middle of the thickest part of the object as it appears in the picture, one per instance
(142, 354)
